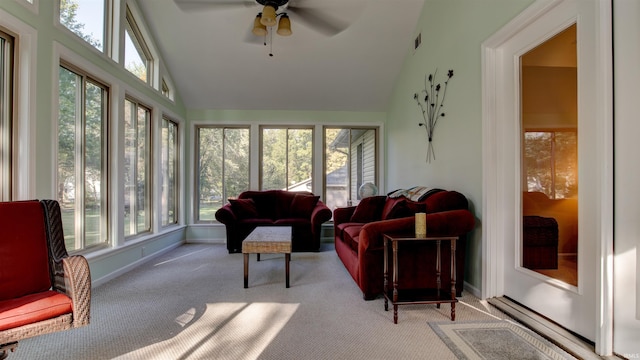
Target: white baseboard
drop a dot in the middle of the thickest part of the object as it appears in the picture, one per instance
(473, 290)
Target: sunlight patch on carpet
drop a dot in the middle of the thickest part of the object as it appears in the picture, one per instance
(496, 340)
(223, 330)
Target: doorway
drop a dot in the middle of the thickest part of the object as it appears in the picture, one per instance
(578, 304)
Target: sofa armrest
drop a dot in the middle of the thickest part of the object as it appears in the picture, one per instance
(320, 214)
(371, 234)
(444, 223)
(225, 215)
(77, 277)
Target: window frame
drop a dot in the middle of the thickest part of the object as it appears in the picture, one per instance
(107, 29)
(79, 210)
(148, 179)
(353, 168)
(140, 43)
(552, 160)
(7, 90)
(196, 176)
(287, 128)
(175, 195)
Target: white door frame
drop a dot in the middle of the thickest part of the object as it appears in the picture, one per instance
(495, 204)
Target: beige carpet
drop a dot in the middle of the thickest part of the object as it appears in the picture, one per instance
(191, 304)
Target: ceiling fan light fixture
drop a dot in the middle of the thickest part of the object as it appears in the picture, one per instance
(284, 26)
(268, 16)
(258, 28)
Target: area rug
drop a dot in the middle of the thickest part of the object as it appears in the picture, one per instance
(495, 340)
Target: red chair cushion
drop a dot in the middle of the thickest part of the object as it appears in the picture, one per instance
(33, 308)
(24, 258)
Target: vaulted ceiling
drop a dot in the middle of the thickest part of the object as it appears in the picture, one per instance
(216, 62)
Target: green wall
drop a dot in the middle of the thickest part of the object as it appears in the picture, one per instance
(452, 33)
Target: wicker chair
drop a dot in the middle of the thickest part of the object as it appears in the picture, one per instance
(43, 289)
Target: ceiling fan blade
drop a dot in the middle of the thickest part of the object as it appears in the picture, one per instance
(321, 23)
(204, 5)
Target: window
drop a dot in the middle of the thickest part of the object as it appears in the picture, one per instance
(286, 158)
(137, 57)
(350, 160)
(165, 89)
(82, 150)
(137, 181)
(169, 173)
(86, 18)
(551, 163)
(222, 169)
(6, 114)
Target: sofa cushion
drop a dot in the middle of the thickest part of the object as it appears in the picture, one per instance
(446, 200)
(369, 209)
(244, 208)
(283, 202)
(302, 205)
(32, 308)
(265, 202)
(23, 234)
(351, 235)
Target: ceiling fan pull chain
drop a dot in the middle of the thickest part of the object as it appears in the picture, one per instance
(271, 43)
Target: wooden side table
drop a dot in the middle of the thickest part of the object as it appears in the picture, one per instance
(417, 297)
(269, 240)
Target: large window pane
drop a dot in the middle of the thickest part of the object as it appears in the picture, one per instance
(137, 56)
(169, 173)
(350, 161)
(94, 163)
(86, 18)
(136, 169)
(287, 159)
(81, 158)
(223, 167)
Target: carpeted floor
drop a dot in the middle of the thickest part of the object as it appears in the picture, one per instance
(190, 304)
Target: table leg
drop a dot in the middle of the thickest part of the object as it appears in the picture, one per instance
(287, 260)
(438, 272)
(453, 279)
(246, 270)
(386, 274)
(394, 245)
(258, 257)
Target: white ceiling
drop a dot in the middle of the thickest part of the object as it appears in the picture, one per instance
(216, 63)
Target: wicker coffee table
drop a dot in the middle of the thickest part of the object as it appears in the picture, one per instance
(270, 240)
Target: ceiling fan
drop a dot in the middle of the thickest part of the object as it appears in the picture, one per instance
(275, 13)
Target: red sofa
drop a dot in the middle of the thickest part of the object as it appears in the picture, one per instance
(358, 233)
(301, 210)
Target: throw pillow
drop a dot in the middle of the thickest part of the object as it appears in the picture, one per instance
(369, 209)
(302, 205)
(405, 208)
(244, 208)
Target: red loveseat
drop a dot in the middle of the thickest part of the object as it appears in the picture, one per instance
(301, 210)
(358, 233)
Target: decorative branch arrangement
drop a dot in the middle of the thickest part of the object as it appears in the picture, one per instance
(431, 104)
